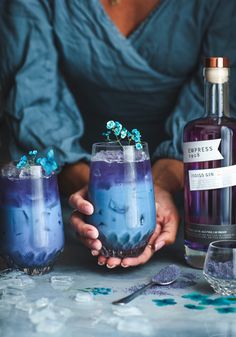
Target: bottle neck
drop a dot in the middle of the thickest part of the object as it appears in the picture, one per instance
(216, 99)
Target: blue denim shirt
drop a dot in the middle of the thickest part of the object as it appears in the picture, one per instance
(65, 69)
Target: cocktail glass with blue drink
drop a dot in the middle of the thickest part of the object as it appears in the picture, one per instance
(31, 228)
(121, 190)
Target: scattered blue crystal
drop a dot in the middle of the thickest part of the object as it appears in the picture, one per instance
(164, 302)
(195, 296)
(99, 291)
(194, 307)
(215, 301)
(226, 310)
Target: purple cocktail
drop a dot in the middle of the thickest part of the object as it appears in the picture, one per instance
(121, 190)
(31, 228)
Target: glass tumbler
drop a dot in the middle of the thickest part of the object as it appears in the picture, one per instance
(220, 266)
(31, 228)
(121, 190)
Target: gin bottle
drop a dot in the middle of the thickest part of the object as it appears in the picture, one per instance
(210, 168)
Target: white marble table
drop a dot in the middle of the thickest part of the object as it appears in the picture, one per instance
(36, 307)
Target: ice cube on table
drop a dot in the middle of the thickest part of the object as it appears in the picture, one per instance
(49, 326)
(12, 295)
(21, 282)
(51, 312)
(42, 302)
(125, 311)
(141, 326)
(4, 309)
(24, 305)
(61, 282)
(83, 297)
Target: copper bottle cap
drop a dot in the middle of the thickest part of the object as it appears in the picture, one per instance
(216, 62)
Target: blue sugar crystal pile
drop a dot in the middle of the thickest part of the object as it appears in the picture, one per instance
(221, 270)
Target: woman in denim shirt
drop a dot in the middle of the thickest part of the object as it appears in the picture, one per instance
(67, 67)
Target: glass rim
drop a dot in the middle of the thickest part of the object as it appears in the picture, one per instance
(216, 244)
(30, 176)
(116, 144)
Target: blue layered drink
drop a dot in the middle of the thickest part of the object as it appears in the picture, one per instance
(31, 228)
(121, 190)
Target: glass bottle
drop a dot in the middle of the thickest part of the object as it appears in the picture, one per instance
(210, 168)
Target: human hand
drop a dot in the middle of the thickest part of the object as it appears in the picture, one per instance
(87, 233)
(167, 218)
(165, 231)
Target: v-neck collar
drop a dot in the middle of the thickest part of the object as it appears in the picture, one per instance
(127, 49)
(133, 35)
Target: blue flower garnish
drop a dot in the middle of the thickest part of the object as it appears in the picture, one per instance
(48, 163)
(22, 162)
(121, 133)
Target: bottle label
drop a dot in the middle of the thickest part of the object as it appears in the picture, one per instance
(205, 234)
(204, 150)
(209, 179)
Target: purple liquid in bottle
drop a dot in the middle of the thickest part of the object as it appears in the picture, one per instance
(209, 154)
(216, 206)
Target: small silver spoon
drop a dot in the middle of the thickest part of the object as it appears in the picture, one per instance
(164, 277)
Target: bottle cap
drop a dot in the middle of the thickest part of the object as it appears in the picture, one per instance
(216, 62)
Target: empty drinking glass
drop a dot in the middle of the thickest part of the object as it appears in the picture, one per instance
(220, 266)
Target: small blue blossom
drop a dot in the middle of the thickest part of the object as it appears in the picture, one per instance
(123, 133)
(120, 133)
(116, 131)
(33, 153)
(48, 163)
(138, 146)
(107, 134)
(22, 162)
(135, 132)
(110, 125)
(137, 139)
(118, 126)
(129, 135)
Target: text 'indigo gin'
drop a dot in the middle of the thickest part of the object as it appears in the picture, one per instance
(210, 168)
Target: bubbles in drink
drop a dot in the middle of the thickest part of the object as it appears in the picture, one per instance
(121, 209)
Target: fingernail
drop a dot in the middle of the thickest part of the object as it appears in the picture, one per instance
(159, 245)
(87, 209)
(94, 252)
(101, 263)
(111, 266)
(124, 265)
(91, 234)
